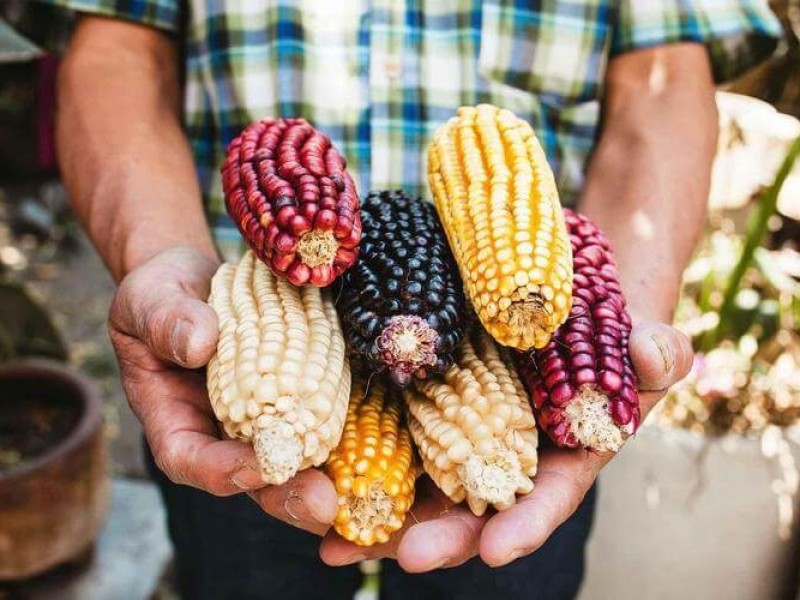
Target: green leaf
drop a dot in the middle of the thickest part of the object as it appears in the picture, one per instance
(756, 230)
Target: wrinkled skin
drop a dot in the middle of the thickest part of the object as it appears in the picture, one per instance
(163, 333)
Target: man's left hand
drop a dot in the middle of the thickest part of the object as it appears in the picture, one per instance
(440, 535)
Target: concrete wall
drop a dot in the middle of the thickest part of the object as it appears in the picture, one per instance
(687, 517)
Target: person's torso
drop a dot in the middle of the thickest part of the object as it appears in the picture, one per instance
(379, 76)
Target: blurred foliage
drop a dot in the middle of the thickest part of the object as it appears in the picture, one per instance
(777, 81)
(756, 231)
(741, 307)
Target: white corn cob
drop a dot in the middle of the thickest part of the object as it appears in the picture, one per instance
(474, 427)
(280, 377)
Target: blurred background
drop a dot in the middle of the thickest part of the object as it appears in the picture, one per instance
(703, 505)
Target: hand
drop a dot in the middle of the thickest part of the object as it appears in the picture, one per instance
(446, 537)
(162, 331)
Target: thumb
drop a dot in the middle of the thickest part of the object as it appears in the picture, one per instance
(163, 305)
(661, 355)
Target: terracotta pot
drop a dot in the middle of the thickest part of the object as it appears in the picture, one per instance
(688, 516)
(53, 504)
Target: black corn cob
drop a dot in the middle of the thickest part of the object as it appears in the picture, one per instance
(402, 304)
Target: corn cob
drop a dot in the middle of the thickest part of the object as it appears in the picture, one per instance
(402, 304)
(583, 383)
(280, 377)
(373, 468)
(474, 427)
(497, 199)
(287, 190)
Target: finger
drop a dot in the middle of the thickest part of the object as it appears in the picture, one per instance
(444, 534)
(163, 304)
(661, 355)
(307, 501)
(523, 528)
(335, 551)
(447, 541)
(441, 542)
(186, 447)
(182, 433)
(428, 504)
(220, 467)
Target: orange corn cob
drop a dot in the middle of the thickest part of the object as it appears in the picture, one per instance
(373, 467)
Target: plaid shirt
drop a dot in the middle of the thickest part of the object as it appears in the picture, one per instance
(379, 76)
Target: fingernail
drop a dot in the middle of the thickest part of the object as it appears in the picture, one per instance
(666, 351)
(514, 555)
(247, 478)
(352, 559)
(294, 505)
(444, 563)
(180, 340)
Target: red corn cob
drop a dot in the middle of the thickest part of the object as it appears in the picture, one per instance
(287, 190)
(582, 383)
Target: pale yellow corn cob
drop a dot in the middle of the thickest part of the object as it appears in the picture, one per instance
(373, 468)
(497, 199)
(280, 377)
(474, 427)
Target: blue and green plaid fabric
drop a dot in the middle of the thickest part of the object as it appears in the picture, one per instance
(379, 76)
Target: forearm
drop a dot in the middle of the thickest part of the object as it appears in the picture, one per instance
(124, 158)
(648, 182)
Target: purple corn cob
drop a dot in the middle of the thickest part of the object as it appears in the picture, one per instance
(287, 190)
(583, 383)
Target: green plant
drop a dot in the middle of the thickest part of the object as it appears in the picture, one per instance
(757, 228)
(741, 306)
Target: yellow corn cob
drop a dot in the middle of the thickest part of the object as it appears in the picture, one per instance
(373, 467)
(474, 427)
(280, 377)
(497, 200)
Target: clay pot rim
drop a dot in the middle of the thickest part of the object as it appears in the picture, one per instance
(85, 393)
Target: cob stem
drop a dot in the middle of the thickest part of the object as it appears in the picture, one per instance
(494, 479)
(407, 344)
(589, 419)
(372, 511)
(317, 247)
(529, 315)
(279, 450)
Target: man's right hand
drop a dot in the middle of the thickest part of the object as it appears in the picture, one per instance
(163, 333)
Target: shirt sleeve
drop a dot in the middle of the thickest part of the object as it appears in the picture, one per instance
(161, 14)
(737, 33)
